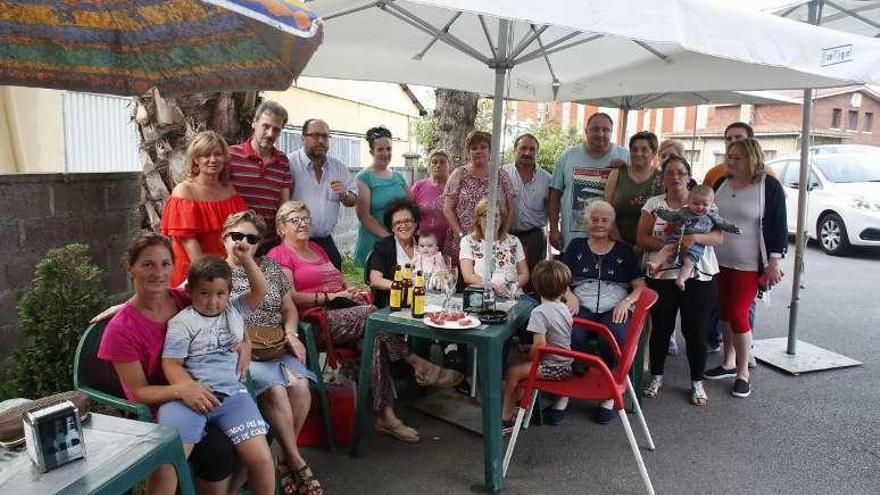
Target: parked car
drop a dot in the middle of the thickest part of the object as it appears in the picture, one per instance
(843, 206)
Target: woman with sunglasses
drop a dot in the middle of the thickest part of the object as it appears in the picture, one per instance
(377, 185)
(198, 206)
(281, 385)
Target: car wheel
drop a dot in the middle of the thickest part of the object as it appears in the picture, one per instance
(832, 236)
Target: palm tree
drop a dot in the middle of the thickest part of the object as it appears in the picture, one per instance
(167, 124)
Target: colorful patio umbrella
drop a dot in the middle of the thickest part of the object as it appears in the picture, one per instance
(125, 47)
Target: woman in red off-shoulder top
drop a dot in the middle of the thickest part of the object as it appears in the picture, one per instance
(198, 206)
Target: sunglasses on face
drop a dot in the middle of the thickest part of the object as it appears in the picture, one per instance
(238, 236)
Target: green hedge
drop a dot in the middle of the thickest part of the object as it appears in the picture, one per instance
(65, 293)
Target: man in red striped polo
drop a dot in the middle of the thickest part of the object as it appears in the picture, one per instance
(259, 172)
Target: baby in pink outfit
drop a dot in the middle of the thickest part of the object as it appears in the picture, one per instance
(428, 257)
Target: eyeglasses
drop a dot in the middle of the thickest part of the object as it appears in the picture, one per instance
(401, 223)
(675, 174)
(251, 238)
(299, 220)
(317, 135)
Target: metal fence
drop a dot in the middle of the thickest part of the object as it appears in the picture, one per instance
(346, 149)
(99, 135)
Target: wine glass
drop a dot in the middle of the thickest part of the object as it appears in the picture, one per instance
(450, 281)
(510, 284)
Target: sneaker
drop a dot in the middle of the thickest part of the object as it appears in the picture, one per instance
(713, 349)
(605, 416)
(553, 417)
(673, 348)
(719, 372)
(741, 388)
(752, 362)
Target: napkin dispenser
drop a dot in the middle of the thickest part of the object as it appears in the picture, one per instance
(477, 298)
(54, 436)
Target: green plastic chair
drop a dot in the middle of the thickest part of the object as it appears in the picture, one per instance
(97, 378)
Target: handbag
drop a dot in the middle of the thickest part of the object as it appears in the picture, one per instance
(341, 303)
(267, 343)
(12, 419)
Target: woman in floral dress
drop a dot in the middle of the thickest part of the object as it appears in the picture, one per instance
(468, 185)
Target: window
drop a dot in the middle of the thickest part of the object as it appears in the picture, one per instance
(835, 118)
(692, 156)
(720, 156)
(869, 122)
(852, 123)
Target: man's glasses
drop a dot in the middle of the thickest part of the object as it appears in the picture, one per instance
(401, 223)
(317, 135)
(251, 238)
(300, 220)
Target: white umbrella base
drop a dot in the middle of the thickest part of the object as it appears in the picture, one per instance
(808, 357)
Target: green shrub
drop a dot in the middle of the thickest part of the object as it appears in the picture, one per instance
(65, 293)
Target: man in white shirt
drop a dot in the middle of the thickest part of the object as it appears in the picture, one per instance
(531, 189)
(322, 183)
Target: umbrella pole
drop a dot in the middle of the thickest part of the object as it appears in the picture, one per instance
(623, 122)
(495, 160)
(771, 351)
(801, 234)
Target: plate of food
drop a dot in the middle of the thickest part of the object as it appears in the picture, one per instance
(451, 320)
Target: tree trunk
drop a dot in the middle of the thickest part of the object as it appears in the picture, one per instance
(454, 118)
(166, 126)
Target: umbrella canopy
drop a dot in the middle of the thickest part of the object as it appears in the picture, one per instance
(850, 16)
(688, 99)
(177, 46)
(596, 48)
(591, 49)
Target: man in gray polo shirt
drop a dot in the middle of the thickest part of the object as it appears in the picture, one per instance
(322, 183)
(531, 188)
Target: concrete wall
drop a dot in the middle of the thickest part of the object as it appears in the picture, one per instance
(40, 212)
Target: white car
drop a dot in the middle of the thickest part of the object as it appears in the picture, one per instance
(844, 195)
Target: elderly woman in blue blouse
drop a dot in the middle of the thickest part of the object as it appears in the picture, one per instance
(606, 283)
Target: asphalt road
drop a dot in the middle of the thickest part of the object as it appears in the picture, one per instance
(816, 433)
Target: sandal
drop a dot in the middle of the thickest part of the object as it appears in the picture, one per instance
(698, 396)
(435, 376)
(287, 480)
(399, 431)
(306, 482)
(652, 389)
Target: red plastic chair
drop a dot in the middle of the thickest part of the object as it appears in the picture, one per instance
(336, 355)
(598, 383)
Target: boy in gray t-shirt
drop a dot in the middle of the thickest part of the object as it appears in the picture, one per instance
(551, 324)
(201, 349)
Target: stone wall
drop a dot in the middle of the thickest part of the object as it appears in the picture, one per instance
(43, 211)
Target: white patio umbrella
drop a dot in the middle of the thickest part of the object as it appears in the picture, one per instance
(681, 99)
(564, 50)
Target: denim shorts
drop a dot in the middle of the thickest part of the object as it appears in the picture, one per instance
(237, 416)
(266, 374)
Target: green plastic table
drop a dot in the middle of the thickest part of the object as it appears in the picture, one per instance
(489, 342)
(119, 453)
